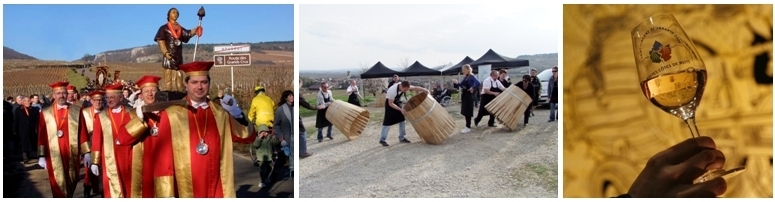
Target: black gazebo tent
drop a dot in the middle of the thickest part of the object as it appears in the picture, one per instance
(497, 60)
(454, 70)
(418, 69)
(379, 71)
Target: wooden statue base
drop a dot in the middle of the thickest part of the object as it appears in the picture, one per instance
(171, 95)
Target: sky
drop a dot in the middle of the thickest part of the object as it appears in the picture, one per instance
(351, 36)
(67, 32)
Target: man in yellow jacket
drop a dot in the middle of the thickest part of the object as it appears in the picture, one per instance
(261, 108)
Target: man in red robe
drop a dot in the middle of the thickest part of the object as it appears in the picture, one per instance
(90, 181)
(113, 162)
(149, 86)
(61, 141)
(194, 145)
(72, 96)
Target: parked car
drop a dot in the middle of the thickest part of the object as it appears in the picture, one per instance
(544, 77)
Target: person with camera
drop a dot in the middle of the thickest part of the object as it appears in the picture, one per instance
(264, 146)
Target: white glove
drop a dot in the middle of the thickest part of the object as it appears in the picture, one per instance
(95, 170)
(42, 162)
(283, 143)
(139, 108)
(134, 96)
(87, 159)
(234, 110)
(226, 99)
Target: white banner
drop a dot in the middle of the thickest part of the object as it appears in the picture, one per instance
(232, 49)
(484, 72)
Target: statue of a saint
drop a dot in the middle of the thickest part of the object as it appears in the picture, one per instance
(170, 39)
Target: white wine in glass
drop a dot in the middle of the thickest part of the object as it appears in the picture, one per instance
(672, 74)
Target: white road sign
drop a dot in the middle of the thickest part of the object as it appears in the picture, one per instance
(232, 60)
(232, 49)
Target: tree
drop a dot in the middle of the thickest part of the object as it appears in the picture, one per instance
(306, 82)
(371, 86)
(404, 63)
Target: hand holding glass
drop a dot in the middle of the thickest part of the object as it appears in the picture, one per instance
(672, 74)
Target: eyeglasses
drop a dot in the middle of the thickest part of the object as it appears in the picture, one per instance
(554, 70)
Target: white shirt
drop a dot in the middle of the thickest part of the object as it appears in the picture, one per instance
(322, 96)
(353, 89)
(116, 110)
(489, 83)
(203, 105)
(392, 92)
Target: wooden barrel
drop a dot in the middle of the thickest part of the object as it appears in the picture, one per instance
(380, 101)
(349, 119)
(431, 121)
(510, 106)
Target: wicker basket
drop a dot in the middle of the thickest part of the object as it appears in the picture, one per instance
(510, 106)
(349, 119)
(380, 101)
(431, 121)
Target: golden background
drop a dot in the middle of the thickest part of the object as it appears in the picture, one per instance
(611, 129)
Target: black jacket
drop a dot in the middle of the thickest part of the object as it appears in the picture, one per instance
(25, 127)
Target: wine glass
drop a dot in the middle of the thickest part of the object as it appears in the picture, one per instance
(672, 74)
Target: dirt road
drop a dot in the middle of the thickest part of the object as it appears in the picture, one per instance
(487, 162)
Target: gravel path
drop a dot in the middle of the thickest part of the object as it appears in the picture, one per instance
(488, 162)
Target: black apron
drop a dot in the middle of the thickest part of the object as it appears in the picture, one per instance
(393, 116)
(353, 99)
(321, 120)
(466, 99)
(486, 98)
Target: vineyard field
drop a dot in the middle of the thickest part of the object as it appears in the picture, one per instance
(31, 81)
(275, 78)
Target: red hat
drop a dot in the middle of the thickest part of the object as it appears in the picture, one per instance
(197, 68)
(59, 84)
(152, 81)
(115, 88)
(96, 94)
(70, 88)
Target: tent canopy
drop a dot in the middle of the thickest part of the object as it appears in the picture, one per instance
(498, 60)
(454, 70)
(379, 71)
(417, 69)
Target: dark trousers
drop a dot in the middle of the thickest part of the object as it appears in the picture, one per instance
(320, 132)
(527, 114)
(490, 121)
(31, 155)
(280, 170)
(265, 171)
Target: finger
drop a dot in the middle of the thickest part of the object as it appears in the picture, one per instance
(707, 189)
(682, 151)
(697, 165)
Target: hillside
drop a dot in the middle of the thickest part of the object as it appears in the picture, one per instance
(261, 53)
(541, 61)
(11, 54)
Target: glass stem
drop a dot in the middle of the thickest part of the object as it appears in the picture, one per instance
(692, 127)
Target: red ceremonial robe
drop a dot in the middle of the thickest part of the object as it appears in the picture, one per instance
(62, 154)
(180, 171)
(137, 133)
(117, 163)
(88, 119)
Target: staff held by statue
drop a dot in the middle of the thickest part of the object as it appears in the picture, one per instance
(201, 15)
